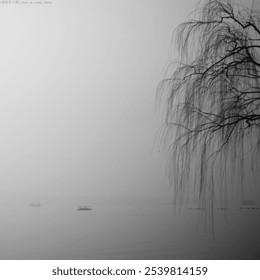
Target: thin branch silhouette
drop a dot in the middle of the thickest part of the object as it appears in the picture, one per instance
(212, 98)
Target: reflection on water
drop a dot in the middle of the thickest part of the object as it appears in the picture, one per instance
(125, 233)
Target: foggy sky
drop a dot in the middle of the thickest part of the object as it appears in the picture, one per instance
(77, 110)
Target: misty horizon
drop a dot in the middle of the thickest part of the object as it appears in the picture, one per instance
(80, 126)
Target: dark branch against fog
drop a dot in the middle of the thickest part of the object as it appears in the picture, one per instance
(212, 101)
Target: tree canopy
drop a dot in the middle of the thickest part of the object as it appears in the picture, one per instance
(212, 99)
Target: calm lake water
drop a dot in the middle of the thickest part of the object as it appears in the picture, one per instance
(125, 233)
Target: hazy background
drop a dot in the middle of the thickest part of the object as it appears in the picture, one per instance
(78, 126)
(77, 101)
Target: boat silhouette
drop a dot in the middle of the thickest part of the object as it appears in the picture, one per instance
(84, 208)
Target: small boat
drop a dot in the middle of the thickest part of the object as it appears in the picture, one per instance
(84, 208)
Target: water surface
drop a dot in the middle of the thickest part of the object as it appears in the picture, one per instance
(125, 232)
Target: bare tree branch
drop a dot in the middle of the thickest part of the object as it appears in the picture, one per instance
(213, 97)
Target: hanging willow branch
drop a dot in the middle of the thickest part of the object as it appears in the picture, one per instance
(212, 99)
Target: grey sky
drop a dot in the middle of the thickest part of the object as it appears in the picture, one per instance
(78, 81)
(77, 112)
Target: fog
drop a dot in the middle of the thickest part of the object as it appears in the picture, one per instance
(77, 110)
(80, 125)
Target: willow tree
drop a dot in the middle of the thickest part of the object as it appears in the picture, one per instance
(212, 99)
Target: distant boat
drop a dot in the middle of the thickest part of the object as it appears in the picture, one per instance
(84, 208)
(35, 205)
